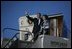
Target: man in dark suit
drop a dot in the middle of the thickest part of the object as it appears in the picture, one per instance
(37, 21)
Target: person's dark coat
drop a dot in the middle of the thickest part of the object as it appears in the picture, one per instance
(36, 27)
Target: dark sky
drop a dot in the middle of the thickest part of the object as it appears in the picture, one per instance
(11, 11)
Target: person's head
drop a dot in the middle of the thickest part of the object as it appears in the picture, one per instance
(45, 17)
(38, 15)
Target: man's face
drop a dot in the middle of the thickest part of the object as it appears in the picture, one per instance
(43, 17)
(38, 15)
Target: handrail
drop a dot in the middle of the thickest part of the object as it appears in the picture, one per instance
(14, 29)
(11, 39)
(14, 35)
(6, 29)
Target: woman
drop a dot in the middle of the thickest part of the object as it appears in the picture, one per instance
(45, 25)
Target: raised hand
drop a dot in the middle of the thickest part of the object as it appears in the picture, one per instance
(26, 13)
